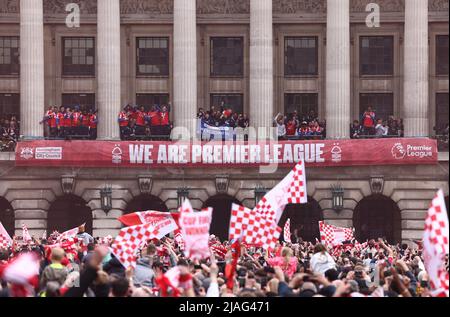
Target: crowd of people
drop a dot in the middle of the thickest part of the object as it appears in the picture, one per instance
(295, 127)
(86, 268)
(136, 123)
(223, 116)
(370, 126)
(65, 122)
(9, 132)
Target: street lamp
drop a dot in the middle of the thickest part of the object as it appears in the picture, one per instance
(182, 194)
(106, 199)
(337, 194)
(260, 192)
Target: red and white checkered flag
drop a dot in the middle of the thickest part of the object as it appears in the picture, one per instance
(291, 190)
(5, 239)
(435, 245)
(333, 235)
(287, 231)
(25, 234)
(253, 228)
(178, 236)
(129, 240)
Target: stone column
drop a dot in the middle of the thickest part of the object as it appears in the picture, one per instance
(108, 57)
(415, 109)
(31, 68)
(261, 66)
(338, 69)
(184, 66)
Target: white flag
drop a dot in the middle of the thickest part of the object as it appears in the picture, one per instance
(25, 234)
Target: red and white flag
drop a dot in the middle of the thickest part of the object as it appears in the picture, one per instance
(69, 234)
(25, 234)
(129, 240)
(287, 231)
(5, 238)
(253, 228)
(195, 230)
(23, 274)
(332, 235)
(178, 236)
(291, 190)
(141, 217)
(435, 246)
(173, 281)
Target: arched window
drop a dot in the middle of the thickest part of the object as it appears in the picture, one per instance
(221, 205)
(377, 216)
(145, 203)
(7, 216)
(304, 220)
(68, 212)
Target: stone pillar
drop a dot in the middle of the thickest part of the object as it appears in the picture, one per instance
(261, 66)
(108, 56)
(338, 69)
(184, 65)
(31, 68)
(415, 109)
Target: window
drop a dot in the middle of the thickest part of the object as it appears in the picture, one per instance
(442, 55)
(302, 103)
(78, 56)
(382, 104)
(442, 112)
(149, 100)
(152, 56)
(301, 56)
(9, 106)
(227, 56)
(377, 55)
(84, 101)
(9, 55)
(234, 102)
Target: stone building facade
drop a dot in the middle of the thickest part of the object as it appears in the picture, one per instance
(414, 88)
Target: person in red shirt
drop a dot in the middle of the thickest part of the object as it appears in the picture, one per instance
(52, 122)
(368, 122)
(68, 122)
(291, 128)
(165, 122)
(140, 121)
(85, 123)
(76, 116)
(155, 121)
(93, 121)
(61, 122)
(124, 120)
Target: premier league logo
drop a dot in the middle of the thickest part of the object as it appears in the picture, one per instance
(27, 153)
(398, 151)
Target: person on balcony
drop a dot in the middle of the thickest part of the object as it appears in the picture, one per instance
(368, 121)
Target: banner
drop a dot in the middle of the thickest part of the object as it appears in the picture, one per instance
(327, 153)
(195, 231)
(163, 221)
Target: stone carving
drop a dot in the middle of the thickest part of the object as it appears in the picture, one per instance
(59, 6)
(385, 5)
(9, 6)
(223, 6)
(438, 5)
(146, 6)
(299, 6)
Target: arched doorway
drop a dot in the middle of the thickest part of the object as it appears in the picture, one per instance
(304, 219)
(221, 205)
(7, 216)
(68, 212)
(146, 202)
(377, 216)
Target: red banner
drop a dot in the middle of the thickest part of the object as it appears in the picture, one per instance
(226, 154)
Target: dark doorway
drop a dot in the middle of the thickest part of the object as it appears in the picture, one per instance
(221, 205)
(377, 216)
(68, 212)
(145, 203)
(304, 220)
(7, 216)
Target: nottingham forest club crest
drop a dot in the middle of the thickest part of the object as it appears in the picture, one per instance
(27, 153)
